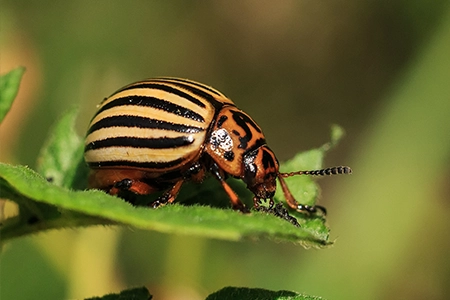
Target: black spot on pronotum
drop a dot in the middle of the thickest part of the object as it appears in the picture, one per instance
(267, 160)
(221, 120)
(229, 155)
(243, 121)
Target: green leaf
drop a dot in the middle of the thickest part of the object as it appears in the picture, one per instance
(243, 293)
(23, 185)
(9, 86)
(135, 294)
(53, 199)
(61, 158)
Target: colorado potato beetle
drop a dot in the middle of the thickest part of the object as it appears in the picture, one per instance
(156, 134)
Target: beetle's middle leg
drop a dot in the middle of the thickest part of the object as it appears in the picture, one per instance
(169, 195)
(236, 203)
(115, 181)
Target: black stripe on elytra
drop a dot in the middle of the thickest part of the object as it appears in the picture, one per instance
(141, 122)
(200, 85)
(154, 103)
(163, 87)
(134, 142)
(134, 164)
(201, 93)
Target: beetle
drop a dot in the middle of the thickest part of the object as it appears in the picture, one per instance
(156, 134)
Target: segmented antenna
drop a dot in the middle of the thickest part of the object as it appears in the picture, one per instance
(323, 172)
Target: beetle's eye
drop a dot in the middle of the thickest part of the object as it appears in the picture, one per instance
(250, 168)
(267, 163)
(260, 165)
(261, 170)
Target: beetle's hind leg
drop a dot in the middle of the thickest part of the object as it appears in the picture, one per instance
(169, 195)
(119, 181)
(134, 186)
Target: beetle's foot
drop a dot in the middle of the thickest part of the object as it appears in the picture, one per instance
(155, 204)
(124, 184)
(121, 186)
(278, 210)
(162, 200)
(311, 209)
(281, 212)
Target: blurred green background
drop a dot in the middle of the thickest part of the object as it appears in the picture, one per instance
(380, 69)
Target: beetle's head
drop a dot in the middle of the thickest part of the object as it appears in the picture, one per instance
(261, 171)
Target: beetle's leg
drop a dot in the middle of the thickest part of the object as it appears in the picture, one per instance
(123, 185)
(271, 203)
(195, 173)
(312, 209)
(134, 186)
(236, 203)
(294, 204)
(115, 181)
(168, 196)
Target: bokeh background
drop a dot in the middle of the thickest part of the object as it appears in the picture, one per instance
(380, 69)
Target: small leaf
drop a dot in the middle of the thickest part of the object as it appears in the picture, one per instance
(9, 86)
(135, 294)
(61, 158)
(303, 188)
(337, 133)
(244, 293)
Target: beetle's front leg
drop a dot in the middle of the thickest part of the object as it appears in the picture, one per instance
(297, 206)
(116, 181)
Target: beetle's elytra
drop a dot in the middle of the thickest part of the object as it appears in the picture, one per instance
(154, 135)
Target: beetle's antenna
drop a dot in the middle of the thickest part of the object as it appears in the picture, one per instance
(322, 172)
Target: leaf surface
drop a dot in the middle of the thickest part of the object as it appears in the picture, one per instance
(9, 86)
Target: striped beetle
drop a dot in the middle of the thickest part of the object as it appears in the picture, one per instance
(154, 135)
